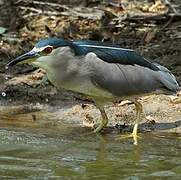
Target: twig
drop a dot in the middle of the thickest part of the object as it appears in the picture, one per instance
(52, 13)
(51, 4)
(170, 6)
(90, 14)
(167, 3)
(159, 17)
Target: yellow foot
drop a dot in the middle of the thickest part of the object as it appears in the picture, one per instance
(98, 129)
(132, 135)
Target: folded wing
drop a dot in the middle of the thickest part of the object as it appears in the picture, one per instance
(112, 54)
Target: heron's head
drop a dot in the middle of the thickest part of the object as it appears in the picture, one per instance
(43, 47)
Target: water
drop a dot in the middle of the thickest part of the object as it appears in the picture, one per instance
(67, 152)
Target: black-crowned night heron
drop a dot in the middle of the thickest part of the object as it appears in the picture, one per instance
(103, 72)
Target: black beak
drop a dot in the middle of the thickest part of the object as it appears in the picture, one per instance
(27, 57)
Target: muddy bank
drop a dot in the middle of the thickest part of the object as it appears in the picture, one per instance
(54, 108)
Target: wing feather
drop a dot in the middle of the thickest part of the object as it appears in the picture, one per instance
(111, 54)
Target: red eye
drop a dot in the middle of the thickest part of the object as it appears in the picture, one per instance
(48, 50)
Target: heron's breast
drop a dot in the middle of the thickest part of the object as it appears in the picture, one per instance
(78, 84)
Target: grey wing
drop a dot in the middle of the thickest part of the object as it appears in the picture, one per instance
(167, 78)
(123, 80)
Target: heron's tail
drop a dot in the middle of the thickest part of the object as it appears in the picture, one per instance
(168, 79)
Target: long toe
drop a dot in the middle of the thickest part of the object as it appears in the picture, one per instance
(132, 135)
(98, 128)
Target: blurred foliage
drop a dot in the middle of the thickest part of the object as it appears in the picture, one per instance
(125, 22)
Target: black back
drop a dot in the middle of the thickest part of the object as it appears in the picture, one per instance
(111, 53)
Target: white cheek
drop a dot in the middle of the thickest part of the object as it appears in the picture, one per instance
(35, 49)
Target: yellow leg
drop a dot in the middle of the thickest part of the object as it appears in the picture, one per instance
(134, 135)
(139, 110)
(104, 119)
